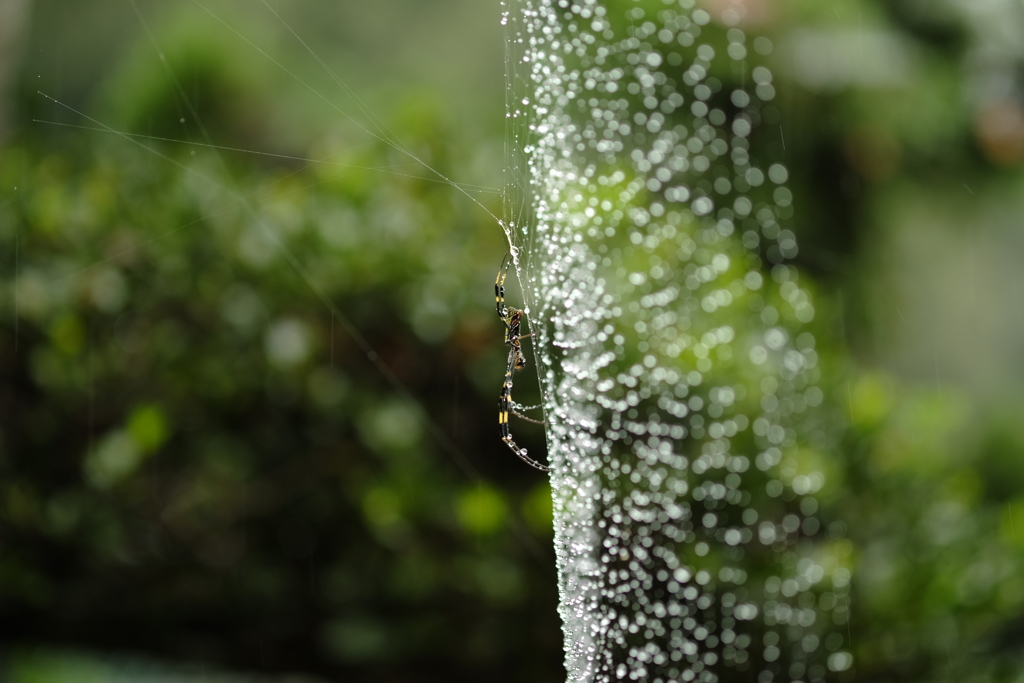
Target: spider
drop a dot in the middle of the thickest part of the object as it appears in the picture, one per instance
(511, 317)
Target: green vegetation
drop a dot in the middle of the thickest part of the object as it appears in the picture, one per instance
(247, 401)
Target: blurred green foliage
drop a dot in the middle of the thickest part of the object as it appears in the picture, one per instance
(201, 459)
(200, 455)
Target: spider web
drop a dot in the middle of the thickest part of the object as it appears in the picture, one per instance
(677, 374)
(671, 350)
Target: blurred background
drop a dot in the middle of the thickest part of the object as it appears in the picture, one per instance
(249, 359)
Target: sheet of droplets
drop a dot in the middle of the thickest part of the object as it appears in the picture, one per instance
(678, 381)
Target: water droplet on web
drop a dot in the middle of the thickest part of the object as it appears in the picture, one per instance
(668, 331)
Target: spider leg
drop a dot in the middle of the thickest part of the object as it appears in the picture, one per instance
(523, 417)
(516, 361)
(515, 409)
(504, 408)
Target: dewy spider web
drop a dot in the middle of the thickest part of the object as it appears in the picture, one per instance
(677, 378)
